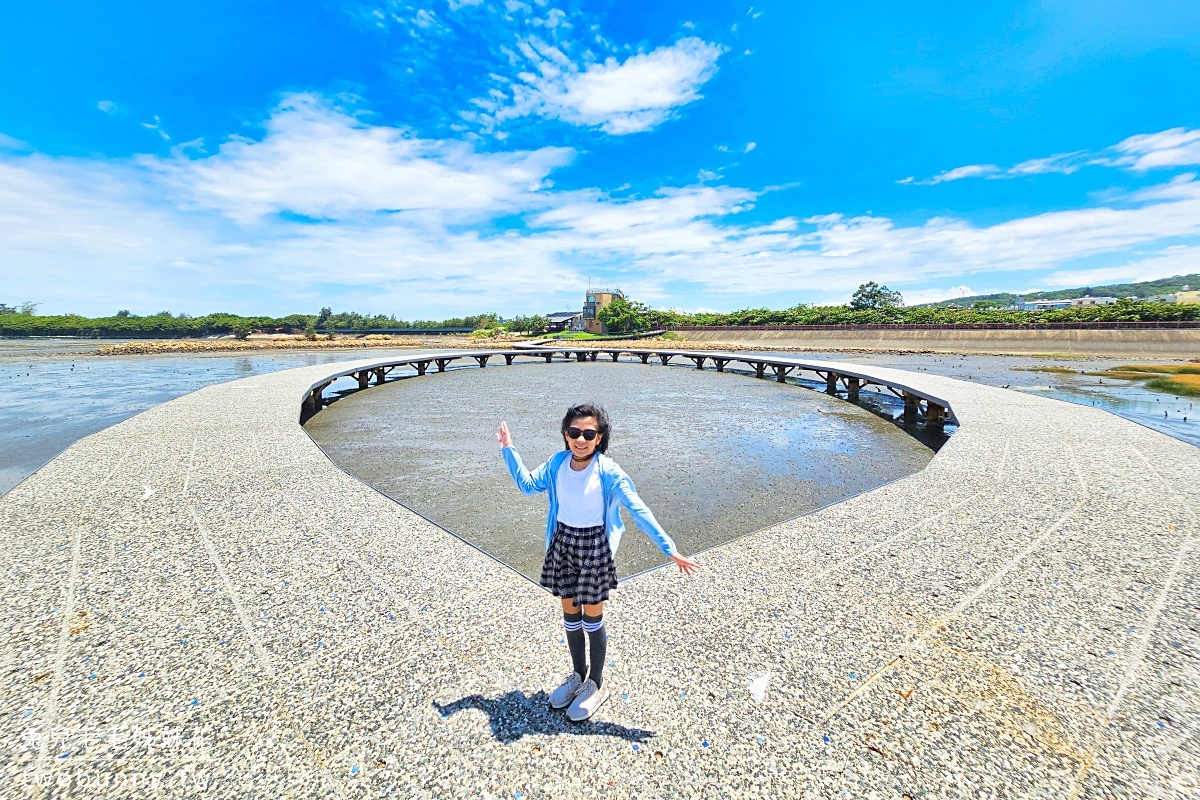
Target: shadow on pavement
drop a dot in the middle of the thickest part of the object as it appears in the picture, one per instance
(513, 715)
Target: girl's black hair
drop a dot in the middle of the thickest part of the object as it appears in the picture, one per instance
(587, 410)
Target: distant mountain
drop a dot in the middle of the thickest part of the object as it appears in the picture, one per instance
(1143, 289)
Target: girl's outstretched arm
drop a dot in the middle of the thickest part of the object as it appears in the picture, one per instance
(528, 482)
(645, 520)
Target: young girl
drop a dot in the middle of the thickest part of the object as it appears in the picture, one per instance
(583, 530)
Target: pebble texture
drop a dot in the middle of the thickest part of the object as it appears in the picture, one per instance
(198, 603)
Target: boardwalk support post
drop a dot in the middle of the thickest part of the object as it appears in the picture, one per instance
(364, 379)
(508, 357)
(760, 367)
(935, 415)
(912, 404)
(548, 357)
(581, 356)
(482, 360)
(699, 361)
(852, 387)
(313, 403)
(615, 355)
(781, 373)
(421, 366)
(380, 375)
(665, 358)
(442, 362)
(644, 357)
(831, 381)
(720, 362)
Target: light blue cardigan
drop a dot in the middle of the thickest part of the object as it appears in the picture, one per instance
(618, 489)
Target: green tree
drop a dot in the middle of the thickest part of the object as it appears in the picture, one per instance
(624, 316)
(310, 330)
(27, 308)
(985, 305)
(124, 313)
(871, 295)
(242, 328)
(323, 318)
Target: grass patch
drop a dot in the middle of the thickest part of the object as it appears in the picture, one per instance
(1161, 369)
(1176, 379)
(575, 336)
(1179, 384)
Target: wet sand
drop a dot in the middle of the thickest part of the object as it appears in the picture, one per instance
(715, 456)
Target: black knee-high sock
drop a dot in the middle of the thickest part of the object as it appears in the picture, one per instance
(598, 638)
(574, 625)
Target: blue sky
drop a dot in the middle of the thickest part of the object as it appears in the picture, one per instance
(438, 157)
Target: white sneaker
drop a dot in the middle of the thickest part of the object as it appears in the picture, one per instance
(564, 694)
(587, 699)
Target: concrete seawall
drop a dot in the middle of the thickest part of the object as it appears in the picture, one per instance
(1170, 343)
(198, 597)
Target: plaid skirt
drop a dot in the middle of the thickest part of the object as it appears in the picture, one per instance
(579, 564)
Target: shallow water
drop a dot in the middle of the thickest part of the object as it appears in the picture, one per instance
(45, 405)
(1175, 416)
(55, 392)
(715, 456)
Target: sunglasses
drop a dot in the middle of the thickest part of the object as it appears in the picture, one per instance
(588, 435)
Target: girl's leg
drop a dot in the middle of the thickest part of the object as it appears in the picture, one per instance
(573, 622)
(593, 623)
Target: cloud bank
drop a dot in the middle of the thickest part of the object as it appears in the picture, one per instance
(325, 206)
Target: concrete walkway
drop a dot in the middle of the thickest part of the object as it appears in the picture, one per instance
(198, 603)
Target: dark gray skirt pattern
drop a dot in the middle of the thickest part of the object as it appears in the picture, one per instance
(579, 564)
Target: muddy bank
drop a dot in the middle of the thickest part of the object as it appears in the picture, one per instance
(715, 455)
(255, 344)
(1167, 343)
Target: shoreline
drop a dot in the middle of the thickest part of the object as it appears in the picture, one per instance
(728, 341)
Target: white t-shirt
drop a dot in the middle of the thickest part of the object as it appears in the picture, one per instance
(580, 495)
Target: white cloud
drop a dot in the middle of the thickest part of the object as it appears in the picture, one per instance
(620, 98)
(916, 297)
(12, 143)
(749, 146)
(1176, 147)
(156, 126)
(958, 173)
(1170, 148)
(424, 227)
(1064, 163)
(1173, 260)
(108, 106)
(319, 162)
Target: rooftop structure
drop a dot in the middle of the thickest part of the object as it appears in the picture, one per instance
(596, 300)
(1087, 301)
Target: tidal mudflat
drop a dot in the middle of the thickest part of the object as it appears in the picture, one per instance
(715, 455)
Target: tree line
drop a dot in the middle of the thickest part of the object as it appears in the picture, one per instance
(872, 305)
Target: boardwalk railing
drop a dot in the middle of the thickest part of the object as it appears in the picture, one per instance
(919, 405)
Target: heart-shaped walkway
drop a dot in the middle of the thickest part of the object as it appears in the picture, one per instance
(196, 600)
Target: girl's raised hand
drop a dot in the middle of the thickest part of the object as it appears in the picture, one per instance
(503, 436)
(685, 564)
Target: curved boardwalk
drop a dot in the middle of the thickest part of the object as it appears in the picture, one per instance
(198, 603)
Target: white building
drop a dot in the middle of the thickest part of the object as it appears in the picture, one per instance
(1046, 305)
(1080, 302)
